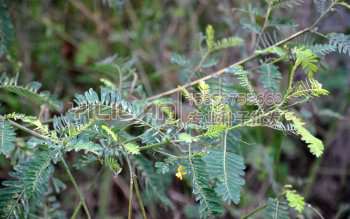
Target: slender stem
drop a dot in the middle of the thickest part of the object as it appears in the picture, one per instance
(315, 210)
(266, 21)
(202, 61)
(291, 77)
(76, 211)
(130, 198)
(199, 65)
(153, 146)
(139, 198)
(72, 179)
(346, 5)
(157, 145)
(247, 59)
(131, 187)
(28, 130)
(312, 177)
(256, 210)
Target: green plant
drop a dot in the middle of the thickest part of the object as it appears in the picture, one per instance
(121, 132)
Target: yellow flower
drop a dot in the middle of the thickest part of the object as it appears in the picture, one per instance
(180, 173)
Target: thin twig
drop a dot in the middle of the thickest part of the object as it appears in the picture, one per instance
(139, 198)
(247, 59)
(266, 21)
(256, 210)
(71, 177)
(75, 184)
(131, 187)
(28, 130)
(157, 145)
(315, 210)
(76, 211)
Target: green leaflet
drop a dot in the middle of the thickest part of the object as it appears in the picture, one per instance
(307, 59)
(341, 42)
(227, 43)
(179, 59)
(242, 76)
(186, 137)
(314, 144)
(161, 167)
(215, 130)
(309, 88)
(33, 122)
(28, 187)
(209, 202)
(224, 43)
(287, 3)
(276, 209)
(322, 49)
(295, 200)
(132, 148)
(270, 77)
(228, 168)
(112, 163)
(281, 52)
(30, 91)
(210, 37)
(7, 138)
(84, 145)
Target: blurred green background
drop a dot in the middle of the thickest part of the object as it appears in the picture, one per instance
(58, 42)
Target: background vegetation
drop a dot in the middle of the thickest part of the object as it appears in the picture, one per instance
(59, 43)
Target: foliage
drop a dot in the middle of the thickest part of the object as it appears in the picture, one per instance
(23, 193)
(270, 77)
(315, 145)
(204, 145)
(341, 42)
(277, 209)
(295, 200)
(30, 91)
(229, 173)
(7, 138)
(307, 60)
(206, 196)
(214, 45)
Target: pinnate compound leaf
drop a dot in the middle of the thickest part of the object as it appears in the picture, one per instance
(7, 138)
(314, 144)
(229, 169)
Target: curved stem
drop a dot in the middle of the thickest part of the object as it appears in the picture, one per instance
(139, 198)
(75, 184)
(266, 21)
(256, 210)
(131, 187)
(315, 210)
(76, 211)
